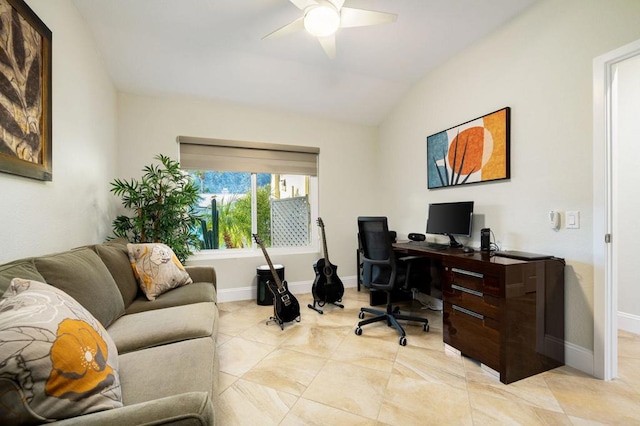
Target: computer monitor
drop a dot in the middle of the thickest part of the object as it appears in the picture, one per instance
(450, 219)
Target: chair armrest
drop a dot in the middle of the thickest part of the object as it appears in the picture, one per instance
(202, 274)
(193, 408)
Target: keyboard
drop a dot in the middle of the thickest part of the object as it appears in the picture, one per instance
(429, 245)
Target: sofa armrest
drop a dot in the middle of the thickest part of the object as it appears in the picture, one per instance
(188, 409)
(202, 274)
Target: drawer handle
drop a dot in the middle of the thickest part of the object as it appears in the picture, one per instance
(468, 312)
(464, 272)
(467, 290)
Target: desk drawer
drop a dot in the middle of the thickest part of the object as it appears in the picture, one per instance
(473, 300)
(483, 283)
(472, 334)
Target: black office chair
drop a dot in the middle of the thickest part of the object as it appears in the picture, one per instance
(381, 270)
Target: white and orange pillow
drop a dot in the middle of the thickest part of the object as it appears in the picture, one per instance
(56, 360)
(156, 268)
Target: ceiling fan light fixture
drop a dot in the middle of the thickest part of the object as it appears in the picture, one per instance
(322, 21)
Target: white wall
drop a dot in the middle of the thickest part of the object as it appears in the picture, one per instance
(626, 203)
(74, 209)
(150, 125)
(540, 64)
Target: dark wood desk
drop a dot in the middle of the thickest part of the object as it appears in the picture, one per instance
(505, 313)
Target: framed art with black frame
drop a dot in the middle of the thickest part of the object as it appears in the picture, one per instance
(25, 92)
(472, 152)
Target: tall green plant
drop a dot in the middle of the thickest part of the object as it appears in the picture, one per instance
(162, 203)
(242, 214)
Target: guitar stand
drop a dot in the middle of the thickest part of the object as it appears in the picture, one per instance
(280, 323)
(318, 310)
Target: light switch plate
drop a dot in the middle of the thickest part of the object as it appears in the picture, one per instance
(573, 220)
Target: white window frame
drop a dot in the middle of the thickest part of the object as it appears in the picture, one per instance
(305, 163)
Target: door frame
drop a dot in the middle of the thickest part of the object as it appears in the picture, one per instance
(605, 289)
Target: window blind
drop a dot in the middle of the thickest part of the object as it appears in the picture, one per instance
(240, 156)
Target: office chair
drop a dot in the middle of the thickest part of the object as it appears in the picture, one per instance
(381, 270)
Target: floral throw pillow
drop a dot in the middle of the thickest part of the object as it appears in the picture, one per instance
(157, 268)
(56, 359)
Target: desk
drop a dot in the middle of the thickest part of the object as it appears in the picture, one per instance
(507, 314)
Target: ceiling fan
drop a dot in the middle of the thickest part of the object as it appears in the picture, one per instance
(322, 18)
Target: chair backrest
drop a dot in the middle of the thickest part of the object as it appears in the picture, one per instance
(378, 263)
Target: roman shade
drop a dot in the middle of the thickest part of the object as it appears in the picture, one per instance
(240, 156)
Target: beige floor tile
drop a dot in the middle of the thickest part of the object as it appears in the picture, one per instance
(271, 334)
(319, 340)
(224, 381)
(350, 388)
(235, 322)
(578, 421)
(409, 401)
(532, 391)
(628, 345)
(490, 410)
(319, 372)
(369, 350)
(312, 413)
(237, 356)
(247, 403)
(435, 366)
(286, 370)
(580, 395)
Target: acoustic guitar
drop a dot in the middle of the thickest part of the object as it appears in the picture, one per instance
(327, 286)
(285, 306)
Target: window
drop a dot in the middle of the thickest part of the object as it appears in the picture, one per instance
(249, 188)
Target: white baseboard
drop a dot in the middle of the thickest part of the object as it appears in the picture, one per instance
(578, 357)
(629, 322)
(298, 287)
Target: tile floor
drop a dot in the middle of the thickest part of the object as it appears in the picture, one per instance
(318, 372)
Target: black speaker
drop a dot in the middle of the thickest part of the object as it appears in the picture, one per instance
(417, 237)
(265, 297)
(485, 239)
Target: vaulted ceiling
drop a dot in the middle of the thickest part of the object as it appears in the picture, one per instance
(213, 49)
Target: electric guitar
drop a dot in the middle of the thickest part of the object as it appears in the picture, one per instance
(327, 286)
(285, 306)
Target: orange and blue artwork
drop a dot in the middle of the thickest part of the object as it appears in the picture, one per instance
(472, 152)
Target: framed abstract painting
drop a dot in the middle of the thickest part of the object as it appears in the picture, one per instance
(25, 92)
(472, 152)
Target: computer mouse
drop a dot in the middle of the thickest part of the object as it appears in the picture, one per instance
(468, 250)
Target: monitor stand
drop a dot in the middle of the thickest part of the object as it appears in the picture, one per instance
(453, 243)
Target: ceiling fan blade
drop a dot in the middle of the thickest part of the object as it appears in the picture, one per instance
(291, 27)
(303, 4)
(329, 45)
(350, 17)
(337, 3)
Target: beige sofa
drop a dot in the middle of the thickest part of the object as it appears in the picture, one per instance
(168, 365)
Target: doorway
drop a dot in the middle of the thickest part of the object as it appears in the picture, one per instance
(611, 220)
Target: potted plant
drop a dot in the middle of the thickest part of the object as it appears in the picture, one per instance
(163, 205)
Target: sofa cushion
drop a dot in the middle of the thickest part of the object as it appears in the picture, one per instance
(162, 371)
(184, 409)
(56, 359)
(116, 259)
(162, 326)
(81, 274)
(192, 293)
(157, 268)
(23, 268)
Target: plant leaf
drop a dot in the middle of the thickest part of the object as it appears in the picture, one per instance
(9, 123)
(7, 89)
(4, 58)
(32, 94)
(18, 40)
